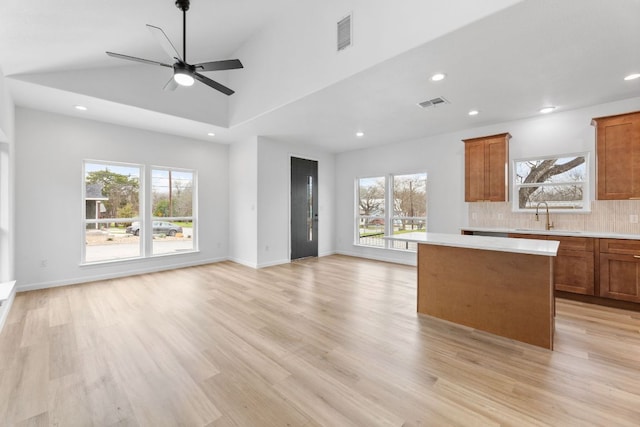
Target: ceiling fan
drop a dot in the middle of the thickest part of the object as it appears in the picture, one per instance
(184, 74)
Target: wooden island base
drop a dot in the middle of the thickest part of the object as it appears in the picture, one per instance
(504, 293)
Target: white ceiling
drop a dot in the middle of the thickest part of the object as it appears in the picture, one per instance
(567, 53)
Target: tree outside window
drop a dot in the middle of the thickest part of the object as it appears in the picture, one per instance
(561, 182)
(112, 203)
(371, 211)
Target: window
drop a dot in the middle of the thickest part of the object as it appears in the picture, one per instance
(371, 217)
(115, 224)
(561, 182)
(172, 210)
(395, 204)
(409, 207)
(111, 204)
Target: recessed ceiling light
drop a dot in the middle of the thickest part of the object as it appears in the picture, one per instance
(546, 110)
(80, 107)
(211, 134)
(633, 76)
(359, 134)
(474, 112)
(437, 77)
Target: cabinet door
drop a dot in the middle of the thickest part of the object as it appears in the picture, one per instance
(474, 171)
(485, 167)
(495, 179)
(618, 157)
(619, 277)
(573, 272)
(574, 266)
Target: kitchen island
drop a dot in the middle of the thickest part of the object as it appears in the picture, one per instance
(499, 285)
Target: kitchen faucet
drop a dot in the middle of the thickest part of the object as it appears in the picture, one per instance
(548, 225)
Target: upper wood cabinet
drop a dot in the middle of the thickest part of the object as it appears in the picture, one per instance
(485, 164)
(618, 156)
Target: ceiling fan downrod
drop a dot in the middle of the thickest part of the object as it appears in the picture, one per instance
(183, 5)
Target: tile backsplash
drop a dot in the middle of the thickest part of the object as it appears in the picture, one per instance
(606, 216)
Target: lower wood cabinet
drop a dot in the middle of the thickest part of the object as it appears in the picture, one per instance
(573, 268)
(620, 269)
(574, 272)
(602, 269)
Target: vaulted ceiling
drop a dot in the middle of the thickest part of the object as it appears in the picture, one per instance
(505, 58)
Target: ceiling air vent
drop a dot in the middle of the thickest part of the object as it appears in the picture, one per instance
(344, 33)
(433, 102)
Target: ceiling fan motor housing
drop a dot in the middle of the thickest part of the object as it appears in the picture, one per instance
(183, 5)
(183, 68)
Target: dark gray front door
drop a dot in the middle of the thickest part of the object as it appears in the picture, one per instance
(304, 208)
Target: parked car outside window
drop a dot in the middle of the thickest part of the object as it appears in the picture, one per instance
(159, 227)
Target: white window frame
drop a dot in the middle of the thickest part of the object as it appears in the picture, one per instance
(389, 212)
(586, 198)
(359, 218)
(145, 218)
(85, 221)
(192, 218)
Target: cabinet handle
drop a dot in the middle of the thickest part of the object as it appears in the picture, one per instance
(636, 256)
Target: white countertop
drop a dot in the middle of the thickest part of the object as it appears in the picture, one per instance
(501, 244)
(596, 234)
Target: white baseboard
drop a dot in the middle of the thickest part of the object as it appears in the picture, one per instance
(379, 258)
(272, 263)
(244, 262)
(6, 307)
(97, 277)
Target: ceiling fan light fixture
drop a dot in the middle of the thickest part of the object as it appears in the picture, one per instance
(183, 79)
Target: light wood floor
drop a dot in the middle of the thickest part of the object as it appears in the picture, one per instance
(334, 341)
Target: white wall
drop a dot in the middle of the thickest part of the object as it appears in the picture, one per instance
(49, 155)
(296, 55)
(274, 192)
(243, 202)
(139, 87)
(442, 157)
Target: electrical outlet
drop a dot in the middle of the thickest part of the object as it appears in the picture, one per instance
(633, 219)
(500, 216)
(474, 216)
(43, 263)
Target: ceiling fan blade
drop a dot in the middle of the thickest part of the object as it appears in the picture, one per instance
(171, 85)
(229, 64)
(213, 84)
(164, 41)
(133, 58)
